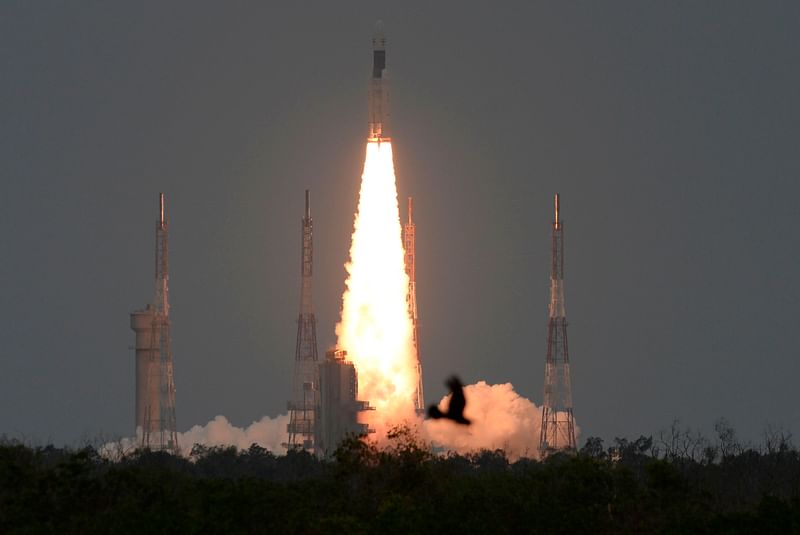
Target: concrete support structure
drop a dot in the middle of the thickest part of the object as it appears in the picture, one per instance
(155, 423)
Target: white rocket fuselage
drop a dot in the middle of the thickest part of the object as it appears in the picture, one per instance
(378, 91)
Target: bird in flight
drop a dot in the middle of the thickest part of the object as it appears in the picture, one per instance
(455, 410)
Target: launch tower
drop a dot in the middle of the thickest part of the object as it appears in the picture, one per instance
(409, 243)
(155, 387)
(558, 424)
(305, 383)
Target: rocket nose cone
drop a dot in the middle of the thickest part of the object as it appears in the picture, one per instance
(378, 38)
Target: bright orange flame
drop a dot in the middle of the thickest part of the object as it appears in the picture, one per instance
(376, 329)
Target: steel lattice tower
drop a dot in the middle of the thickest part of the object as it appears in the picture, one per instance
(155, 385)
(305, 383)
(409, 242)
(558, 424)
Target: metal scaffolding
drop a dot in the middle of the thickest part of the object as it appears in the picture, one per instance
(156, 428)
(558, 424)
(409, 243)
(305, 383)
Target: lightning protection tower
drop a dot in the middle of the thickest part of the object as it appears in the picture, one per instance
(305, 383)
(409, 242)
(155, 386)
(558, 424)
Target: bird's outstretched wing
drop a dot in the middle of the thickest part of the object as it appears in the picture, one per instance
(457, 401)
(455, 411)
(435, 413)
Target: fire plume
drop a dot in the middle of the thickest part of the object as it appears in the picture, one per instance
(375, 328)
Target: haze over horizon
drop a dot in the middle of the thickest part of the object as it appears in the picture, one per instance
(670, 132)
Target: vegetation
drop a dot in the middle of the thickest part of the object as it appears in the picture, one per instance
(678, 482)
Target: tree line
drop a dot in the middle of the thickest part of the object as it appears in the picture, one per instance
(677, 481)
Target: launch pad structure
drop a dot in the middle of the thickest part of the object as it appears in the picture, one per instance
(155, 424)
(409, 244)
(324, 408)
(339, 404)
(304, 404)
(558, 424)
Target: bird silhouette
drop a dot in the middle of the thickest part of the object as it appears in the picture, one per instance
(455, 410)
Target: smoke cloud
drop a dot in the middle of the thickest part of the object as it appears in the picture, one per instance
(269, 433)
(501, 419)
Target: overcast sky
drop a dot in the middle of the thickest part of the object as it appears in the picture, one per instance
(669, 128)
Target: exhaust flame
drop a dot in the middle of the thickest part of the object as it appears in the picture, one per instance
(375, 328)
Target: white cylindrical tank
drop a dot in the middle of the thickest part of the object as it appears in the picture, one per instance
(147, 356)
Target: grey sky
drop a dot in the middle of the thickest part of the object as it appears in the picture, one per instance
(670, 129)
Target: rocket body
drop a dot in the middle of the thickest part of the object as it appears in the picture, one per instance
(378, 90)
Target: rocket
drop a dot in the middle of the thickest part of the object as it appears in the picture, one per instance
(378, 89)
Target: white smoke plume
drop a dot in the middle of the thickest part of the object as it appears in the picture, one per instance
(501, 419)
(269, 433)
